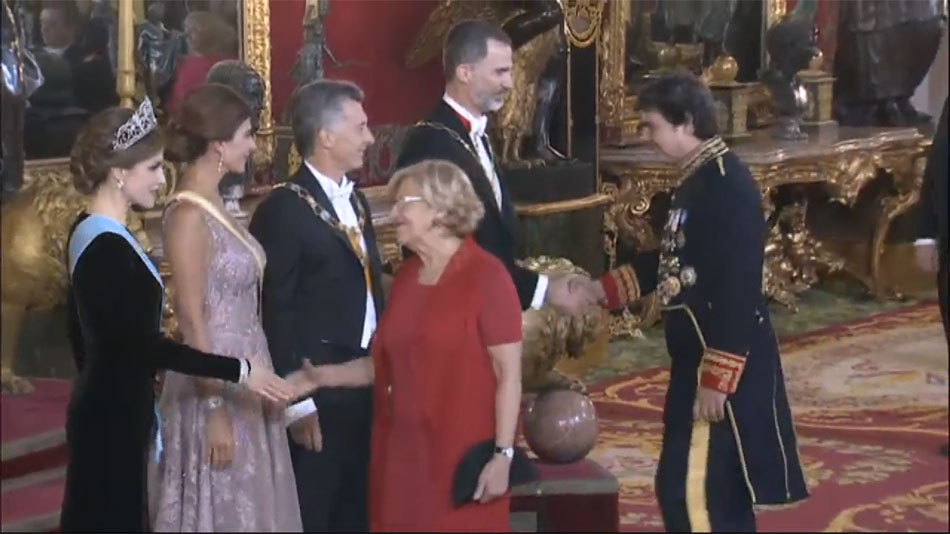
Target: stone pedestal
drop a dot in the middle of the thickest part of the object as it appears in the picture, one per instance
(732, 107)
(820, 86)
(578, 497)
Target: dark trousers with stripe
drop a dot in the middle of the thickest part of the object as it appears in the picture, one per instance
(700, 483)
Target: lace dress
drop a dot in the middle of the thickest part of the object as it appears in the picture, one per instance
(257, 492)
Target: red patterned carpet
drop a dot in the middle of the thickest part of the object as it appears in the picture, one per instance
(871, 404)
(870, 400)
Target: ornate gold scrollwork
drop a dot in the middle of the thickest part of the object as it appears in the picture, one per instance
(618, 215)
(794, 258)
(583, 19)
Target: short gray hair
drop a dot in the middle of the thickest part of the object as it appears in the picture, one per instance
(445, 188)
(317, 106)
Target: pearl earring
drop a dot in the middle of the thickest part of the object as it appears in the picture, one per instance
(220, 162)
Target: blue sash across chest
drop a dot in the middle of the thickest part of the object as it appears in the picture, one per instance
(85, 233)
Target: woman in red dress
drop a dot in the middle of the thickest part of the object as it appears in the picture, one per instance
(210, 40)
(446, 361)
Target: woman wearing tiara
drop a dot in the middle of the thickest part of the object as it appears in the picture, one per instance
(115, 308)
(226, 464)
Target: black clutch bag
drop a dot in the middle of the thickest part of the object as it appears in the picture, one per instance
(474, 461)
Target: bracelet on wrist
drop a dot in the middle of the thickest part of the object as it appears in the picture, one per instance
(214, 402)
(245, 371)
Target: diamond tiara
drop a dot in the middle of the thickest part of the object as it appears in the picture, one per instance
(139, 124)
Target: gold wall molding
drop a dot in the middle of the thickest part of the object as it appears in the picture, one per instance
(612, 50)
(563, 206)
(255, 50)
(125, 75)
(583, 20)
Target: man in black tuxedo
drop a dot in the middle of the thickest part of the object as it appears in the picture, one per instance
(932, 246)
(322, 297)
(477, 60)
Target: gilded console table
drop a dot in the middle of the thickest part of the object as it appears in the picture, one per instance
(842, 160)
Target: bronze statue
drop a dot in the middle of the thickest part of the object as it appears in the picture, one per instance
(540, 50)
(159, 50)
(309, 65)
(246, 81)
(885, 49)
(792, 42)
(21, 76)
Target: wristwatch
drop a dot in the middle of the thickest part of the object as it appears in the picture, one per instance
(213, 403)
(507, 452)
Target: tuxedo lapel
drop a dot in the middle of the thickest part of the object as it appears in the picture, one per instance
(446, 116)
(308, 182)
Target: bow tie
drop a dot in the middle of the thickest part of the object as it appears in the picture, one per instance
(342, 192)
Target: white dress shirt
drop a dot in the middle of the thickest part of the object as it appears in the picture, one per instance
(339, 195)
(479, 139)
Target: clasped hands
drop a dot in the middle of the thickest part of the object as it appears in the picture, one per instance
(262, 381)
(572, 294)
(279, 390)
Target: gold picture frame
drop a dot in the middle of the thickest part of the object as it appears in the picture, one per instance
(255, 51)
(619, 117)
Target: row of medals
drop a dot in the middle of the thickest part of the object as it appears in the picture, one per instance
(673, 277)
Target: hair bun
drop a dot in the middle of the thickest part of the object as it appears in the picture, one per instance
(181, 145)
(210, 112)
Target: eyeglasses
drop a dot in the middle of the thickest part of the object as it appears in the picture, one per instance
(402, 202)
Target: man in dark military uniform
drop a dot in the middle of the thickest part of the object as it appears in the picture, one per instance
(933, 244)
(729, 441)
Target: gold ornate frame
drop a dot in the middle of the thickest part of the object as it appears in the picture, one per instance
(618, 107)
(255, 51)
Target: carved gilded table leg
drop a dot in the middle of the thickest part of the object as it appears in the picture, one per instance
(906, 168)
(777, 271)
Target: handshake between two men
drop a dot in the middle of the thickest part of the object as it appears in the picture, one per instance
(572, 294)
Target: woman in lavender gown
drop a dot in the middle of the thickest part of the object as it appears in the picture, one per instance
(226, 465)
